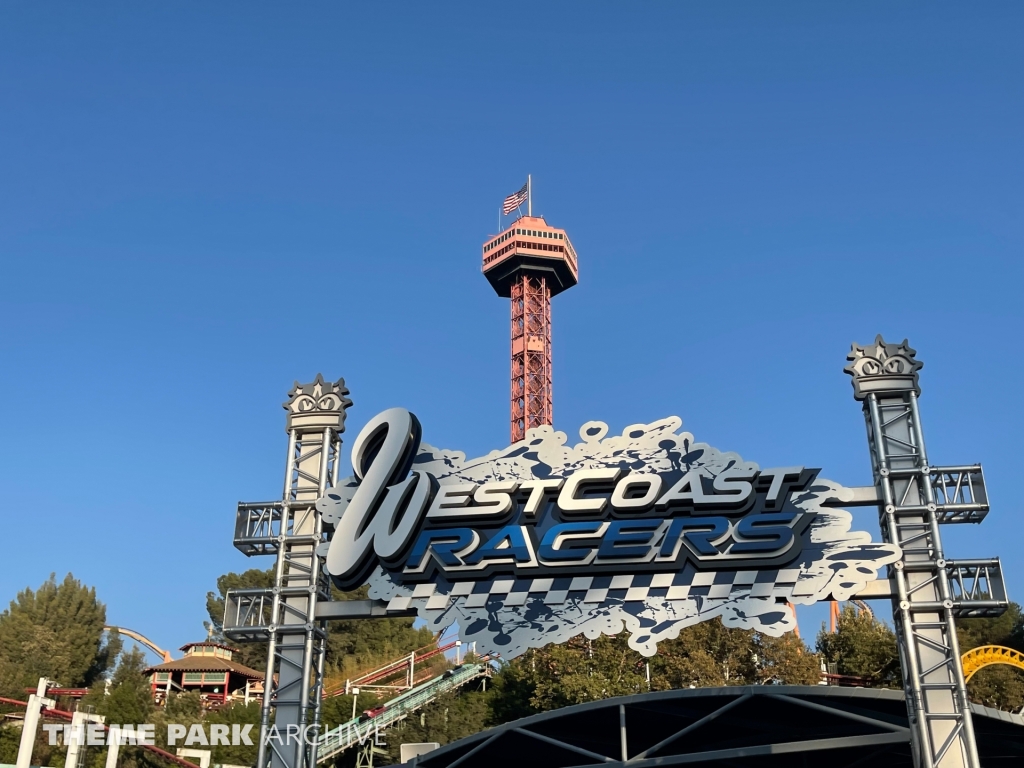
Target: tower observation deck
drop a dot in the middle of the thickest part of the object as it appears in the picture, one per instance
(530, 262)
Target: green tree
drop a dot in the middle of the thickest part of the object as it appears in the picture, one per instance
(54, 632)
(512, 690)
(183, 709)
(42, 752)
(586, 670)
(998, 686)
(10, 740)
(703, 655)
(863, 647)
(706, 654)
(355, 645)
(237, 714)
(126, 699)
(712, 654)
(184, 706)
(338, 709)
(785, 661)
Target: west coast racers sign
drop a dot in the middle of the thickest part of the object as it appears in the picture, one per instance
(647, 531)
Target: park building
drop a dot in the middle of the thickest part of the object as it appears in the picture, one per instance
(209, 669)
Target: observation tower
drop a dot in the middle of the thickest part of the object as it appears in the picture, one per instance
(529, 263)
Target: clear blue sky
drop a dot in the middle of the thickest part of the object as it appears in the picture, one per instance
(200, 204)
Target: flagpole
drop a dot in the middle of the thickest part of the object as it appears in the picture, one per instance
(529, 195)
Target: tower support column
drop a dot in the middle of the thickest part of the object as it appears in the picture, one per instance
(928, 591)
(531, 262)
(30, 726)
(285, 616)
(531, 404)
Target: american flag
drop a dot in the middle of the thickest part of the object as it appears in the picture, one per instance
(516, 199)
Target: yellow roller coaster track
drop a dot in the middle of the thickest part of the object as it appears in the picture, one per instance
(986, 655)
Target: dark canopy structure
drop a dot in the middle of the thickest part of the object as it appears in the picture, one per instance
(756, 726)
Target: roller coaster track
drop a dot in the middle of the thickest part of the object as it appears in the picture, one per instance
(986, 655)
(142, 640)
(362, 729)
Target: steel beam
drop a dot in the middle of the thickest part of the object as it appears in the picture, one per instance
(360, 609)
(285, 616)
(926, 594)
(531, 354)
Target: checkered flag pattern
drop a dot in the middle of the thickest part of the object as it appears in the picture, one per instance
(679, 585)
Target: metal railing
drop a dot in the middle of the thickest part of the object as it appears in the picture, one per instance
(360, 730)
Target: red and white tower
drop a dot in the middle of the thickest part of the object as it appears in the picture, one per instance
(529, 263)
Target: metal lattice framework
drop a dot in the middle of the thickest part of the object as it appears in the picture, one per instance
(764, 726)
(285, 616)
(928, 592)
(531, 354)
(530, 263)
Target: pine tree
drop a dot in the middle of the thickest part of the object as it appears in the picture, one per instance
(126, 699)
(55, 632)
(129, 697)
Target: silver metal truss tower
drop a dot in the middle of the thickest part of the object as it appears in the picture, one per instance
(285, 616)
(928, 591)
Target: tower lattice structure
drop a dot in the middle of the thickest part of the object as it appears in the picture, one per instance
(531, 354)
(285, 617)
(530, 263)
(928, 590)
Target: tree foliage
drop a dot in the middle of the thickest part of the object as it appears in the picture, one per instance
(241, 714)
(863, 647)
(866, 648)
(185, 709)
(57, 632)
(54, 632)
(706, 654)
(124, 699)
(42, 752)
(998, 686)
(353, 646)
(128, 697)
(10, 738)
(785, 661)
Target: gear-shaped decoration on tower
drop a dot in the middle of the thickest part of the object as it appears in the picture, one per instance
(882, 367)
(318, 405)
